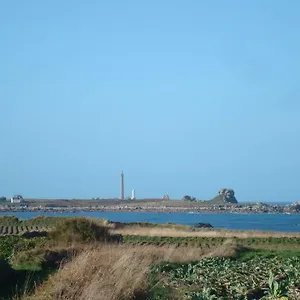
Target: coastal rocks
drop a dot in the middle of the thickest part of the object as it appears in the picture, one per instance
(203, 225)
(226, 196)
(295, 206)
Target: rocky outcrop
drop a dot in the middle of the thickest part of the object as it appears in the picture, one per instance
(225, 196)
(203, 225)
(228, 195)
(295, 206)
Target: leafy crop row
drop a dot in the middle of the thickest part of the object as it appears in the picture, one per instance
(221, 278)
(13, 225)
(15, 230)
(209, 241)
(38, 221)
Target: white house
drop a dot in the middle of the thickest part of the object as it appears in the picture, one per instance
(16, 199)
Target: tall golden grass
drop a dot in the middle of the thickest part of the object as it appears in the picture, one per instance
(111, 272)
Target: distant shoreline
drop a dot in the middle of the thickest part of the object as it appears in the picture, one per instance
(144, 205)
(229, 210)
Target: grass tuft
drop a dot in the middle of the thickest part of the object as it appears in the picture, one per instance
(79, 230)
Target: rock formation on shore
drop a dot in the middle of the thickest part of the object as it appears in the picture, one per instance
(203, 225)
(295, 206)
(225, 196)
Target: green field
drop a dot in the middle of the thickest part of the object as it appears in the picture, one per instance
(15, 230)
(284, 243)
(267, 277)
(10, 225)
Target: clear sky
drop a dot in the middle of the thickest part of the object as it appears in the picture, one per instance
(186, 97)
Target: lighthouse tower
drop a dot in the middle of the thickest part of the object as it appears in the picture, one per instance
(122, 186)
(133, 195)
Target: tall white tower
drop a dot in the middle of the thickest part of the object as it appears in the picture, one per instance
(133, 195)
(122, 186)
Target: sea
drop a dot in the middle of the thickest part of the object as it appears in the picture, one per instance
(236, 221)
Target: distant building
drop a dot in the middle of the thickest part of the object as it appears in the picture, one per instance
(122, 186)
(133, 195)
(16, 199)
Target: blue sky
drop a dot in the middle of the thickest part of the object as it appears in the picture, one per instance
(186, 97)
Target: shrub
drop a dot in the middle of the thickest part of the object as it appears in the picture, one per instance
(9, 220)
(79, 230)
(10, 245)
(42, 258)
(26, 259)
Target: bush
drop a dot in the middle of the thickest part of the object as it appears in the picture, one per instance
(9, 221)
(189, 198)
(42, 258)
(27, 259)
(79, 230)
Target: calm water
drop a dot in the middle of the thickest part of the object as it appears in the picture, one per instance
(274, 222)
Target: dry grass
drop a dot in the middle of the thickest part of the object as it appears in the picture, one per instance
(228, 249)
(166, 232)
(111, 272)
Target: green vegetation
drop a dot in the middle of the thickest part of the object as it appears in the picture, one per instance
(79, 230)
(285, 243)
(255, 269)
(10, 245)
(19, 276)
(189, 198)
(221, 278)
(31, 260)
(10, 225)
